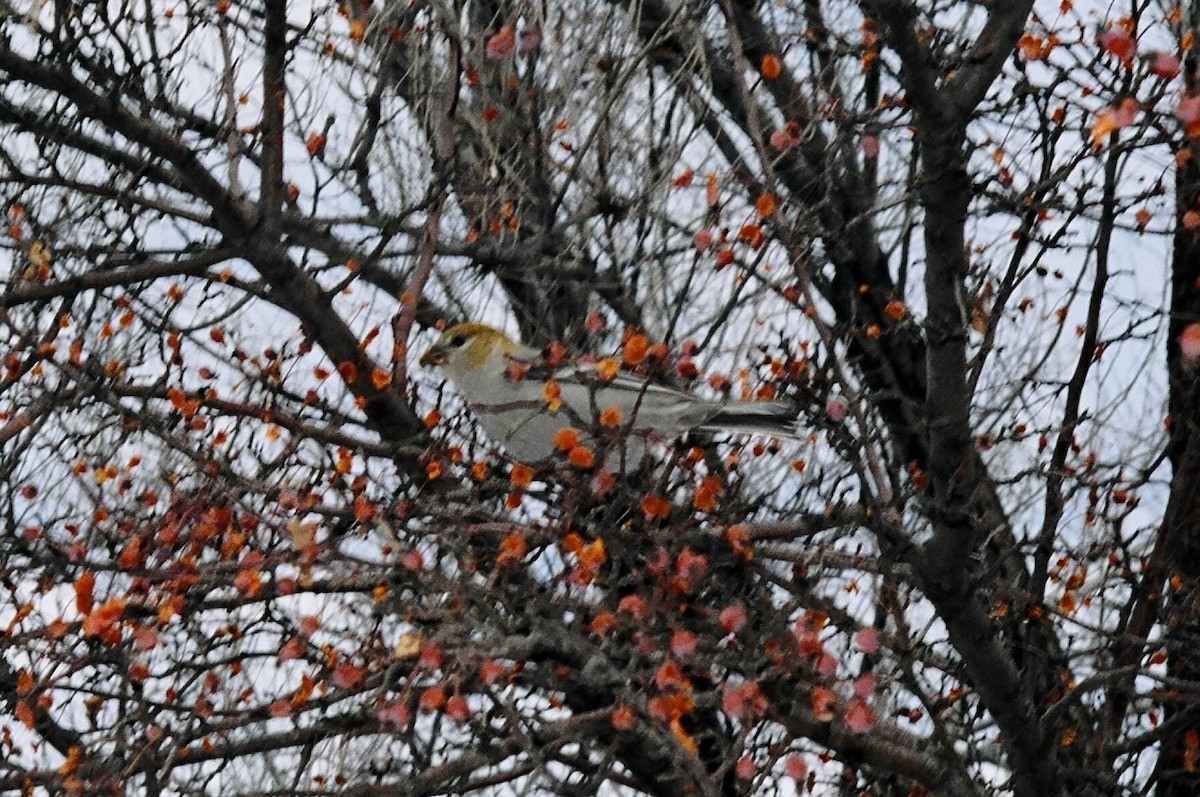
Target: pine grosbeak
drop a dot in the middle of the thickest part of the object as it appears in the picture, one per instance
(523, 403)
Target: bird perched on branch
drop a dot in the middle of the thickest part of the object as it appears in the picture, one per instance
(524, 401)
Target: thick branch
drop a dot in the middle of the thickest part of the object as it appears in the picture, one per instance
(295, 290)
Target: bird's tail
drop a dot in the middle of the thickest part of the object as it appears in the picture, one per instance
(772, 418)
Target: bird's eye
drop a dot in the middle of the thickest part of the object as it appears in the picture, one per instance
(457, 341)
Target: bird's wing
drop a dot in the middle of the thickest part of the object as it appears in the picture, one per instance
(529, 363)
(630, 382)
(648, 406)
(585, 393)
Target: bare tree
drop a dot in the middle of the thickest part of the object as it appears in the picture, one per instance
(252, 548)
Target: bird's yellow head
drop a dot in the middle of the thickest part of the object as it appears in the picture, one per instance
(468, 348)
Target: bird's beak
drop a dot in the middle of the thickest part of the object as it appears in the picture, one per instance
(435, 355)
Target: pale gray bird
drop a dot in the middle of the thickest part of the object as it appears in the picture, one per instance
(505, 384)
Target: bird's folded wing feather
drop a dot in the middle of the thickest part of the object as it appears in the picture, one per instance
(530, 364)
(650, 406)
(641, 403)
